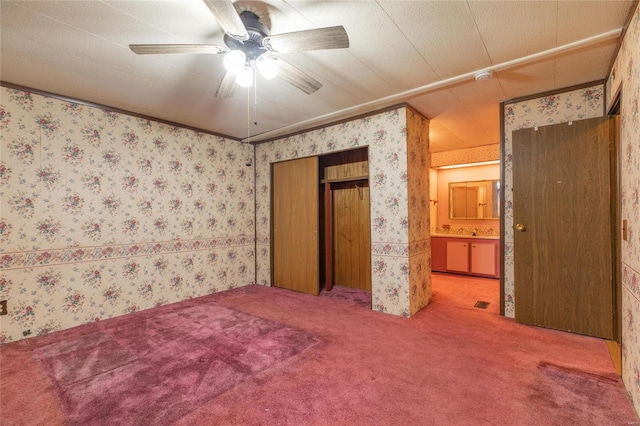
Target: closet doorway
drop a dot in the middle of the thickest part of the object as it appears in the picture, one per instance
(321, 227)
(346, 221)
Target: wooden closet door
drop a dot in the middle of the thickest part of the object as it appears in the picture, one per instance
(295, 215)
(352, 236)
(562, 235)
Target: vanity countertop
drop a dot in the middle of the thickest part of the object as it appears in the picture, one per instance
(479, 237)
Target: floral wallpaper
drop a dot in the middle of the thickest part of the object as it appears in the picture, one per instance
(467, 155)
(419, 211)
(386, 136)
(628, 71)
(558, 108)
(103, 214)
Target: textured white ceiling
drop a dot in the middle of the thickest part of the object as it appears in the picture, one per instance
(420, 52)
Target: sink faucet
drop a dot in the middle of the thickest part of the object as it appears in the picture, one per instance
(475, 232)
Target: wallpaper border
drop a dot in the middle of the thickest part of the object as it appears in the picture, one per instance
(18, 260)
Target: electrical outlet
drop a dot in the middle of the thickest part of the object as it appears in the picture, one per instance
(3, 307)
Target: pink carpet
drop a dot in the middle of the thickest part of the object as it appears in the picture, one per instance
(452, 364)
(154, 368)
(348, 295)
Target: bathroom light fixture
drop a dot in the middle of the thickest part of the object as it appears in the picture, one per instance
(457, 166)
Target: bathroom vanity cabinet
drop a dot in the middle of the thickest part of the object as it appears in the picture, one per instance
(463, 254)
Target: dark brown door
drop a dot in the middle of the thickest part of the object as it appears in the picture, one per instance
(295, 225)
(562, 227)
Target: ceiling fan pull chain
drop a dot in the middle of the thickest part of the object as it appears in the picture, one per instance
(255, 99)
(248, 113)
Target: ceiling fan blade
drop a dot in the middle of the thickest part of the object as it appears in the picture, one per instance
(158, 49)
(297, 78)
(227, 86)
(300, 41)
(228, 18)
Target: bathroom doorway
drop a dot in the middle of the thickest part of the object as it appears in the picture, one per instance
(465, 225)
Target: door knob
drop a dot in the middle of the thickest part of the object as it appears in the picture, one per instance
(520, 227)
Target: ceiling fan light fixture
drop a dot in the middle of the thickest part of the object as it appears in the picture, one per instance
(268, 66)
(234, 61)
(248, 40)
(244, 77)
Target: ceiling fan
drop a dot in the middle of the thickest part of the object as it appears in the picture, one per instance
(247, 40)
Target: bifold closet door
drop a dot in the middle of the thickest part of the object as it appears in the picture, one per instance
(295, 218)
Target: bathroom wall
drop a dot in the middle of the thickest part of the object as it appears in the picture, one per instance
(445, 225)
(103, 214)
(433, 199)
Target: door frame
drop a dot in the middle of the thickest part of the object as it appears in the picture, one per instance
(330, 186)
(502, 250)
(616, 216)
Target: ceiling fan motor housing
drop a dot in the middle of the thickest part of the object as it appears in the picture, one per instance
(252, 47)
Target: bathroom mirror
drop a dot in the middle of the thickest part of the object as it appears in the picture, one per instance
(474, 200)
